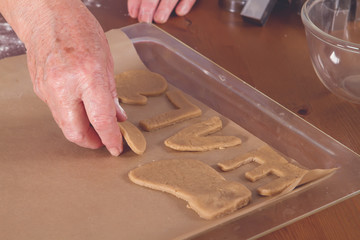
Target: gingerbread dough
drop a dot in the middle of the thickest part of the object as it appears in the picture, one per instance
(133, 137)
(133, 86)
(205, 190)
(194, 137)
(185, 110)
(272, 162)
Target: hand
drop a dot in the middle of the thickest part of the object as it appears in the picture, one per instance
(71, 67)
(158, 10)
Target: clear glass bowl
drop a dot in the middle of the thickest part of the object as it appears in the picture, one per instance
(333, 34)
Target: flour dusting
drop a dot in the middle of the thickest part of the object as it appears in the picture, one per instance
(10, 44)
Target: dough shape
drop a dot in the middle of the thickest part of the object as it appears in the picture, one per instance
(133, 86)
(205, 190)
(272, 162)
(185, 110)
(193, 138)
(133, 137)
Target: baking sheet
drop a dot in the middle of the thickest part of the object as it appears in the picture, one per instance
(50, 188)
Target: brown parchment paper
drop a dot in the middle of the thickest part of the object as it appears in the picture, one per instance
(53, 189)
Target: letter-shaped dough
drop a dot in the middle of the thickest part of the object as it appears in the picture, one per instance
(185, 110)
(132, 86)
(272, 162)
(194, 137)
(205, 190)
(133, 137)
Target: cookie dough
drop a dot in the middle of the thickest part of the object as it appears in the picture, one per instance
(272, 162)
(133, 137)
(133, 86)
(185, 110)
(205, 190)
(195, 137)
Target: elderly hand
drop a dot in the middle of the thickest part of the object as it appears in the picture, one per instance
(158, 10)
(71, 67)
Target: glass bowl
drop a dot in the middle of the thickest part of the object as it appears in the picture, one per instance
(332, 30)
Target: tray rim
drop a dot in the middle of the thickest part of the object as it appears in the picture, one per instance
(135, 40)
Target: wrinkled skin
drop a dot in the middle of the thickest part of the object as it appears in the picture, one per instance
(158, 10)
(71, 67)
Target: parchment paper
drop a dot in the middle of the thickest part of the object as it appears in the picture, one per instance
(53, 189)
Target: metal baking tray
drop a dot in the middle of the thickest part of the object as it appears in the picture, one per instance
(262, 117)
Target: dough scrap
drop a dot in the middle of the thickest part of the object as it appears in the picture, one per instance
(133, 86)
(185, 110)
(272, 162)
(205, 190)
(133, 137)
(315, 174)
(194, 137)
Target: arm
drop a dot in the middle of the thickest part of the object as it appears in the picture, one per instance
(71, 68)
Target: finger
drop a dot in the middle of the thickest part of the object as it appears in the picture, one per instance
(101, 110)
(164, 10)
(73, 121)
(147, 9)
(133, 8)
(184, 7)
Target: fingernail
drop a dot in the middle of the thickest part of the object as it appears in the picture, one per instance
(119, 108)
(183, 10)
(161, 18)
(114, 151)
(133, 13)
(145, 17)
(130, 11)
